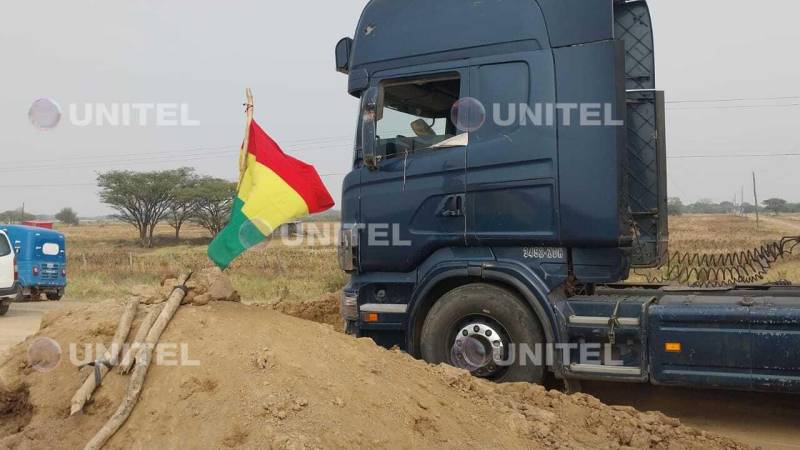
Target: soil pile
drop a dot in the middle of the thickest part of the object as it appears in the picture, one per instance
(238, 376)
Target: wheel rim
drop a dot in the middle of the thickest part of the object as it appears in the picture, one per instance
(478, 345)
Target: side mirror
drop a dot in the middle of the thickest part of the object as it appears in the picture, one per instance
(369, 134)
(343, 50)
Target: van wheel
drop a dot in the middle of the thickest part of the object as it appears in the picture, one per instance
(3, 308)
(485, 329)
(55, 296)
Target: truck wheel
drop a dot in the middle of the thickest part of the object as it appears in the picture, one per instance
(487, 330)
(3, 308)
(55, 296)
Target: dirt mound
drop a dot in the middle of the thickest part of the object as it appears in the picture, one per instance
(251, 377)
(325, 310)
(15, 410)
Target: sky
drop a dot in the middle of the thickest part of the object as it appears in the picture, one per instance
(204, 53)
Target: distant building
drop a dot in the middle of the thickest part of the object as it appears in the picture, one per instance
(39, 223)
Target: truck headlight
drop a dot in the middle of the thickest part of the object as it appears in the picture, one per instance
(349, 308)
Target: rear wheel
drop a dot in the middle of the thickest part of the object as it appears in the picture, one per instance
(3, 308)
(487, 330)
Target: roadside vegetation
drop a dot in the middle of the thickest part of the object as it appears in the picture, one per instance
(105, 259)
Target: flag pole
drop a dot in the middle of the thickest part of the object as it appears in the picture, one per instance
(249, 106)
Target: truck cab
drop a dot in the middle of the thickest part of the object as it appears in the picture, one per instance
(41, 260)
(509, 167)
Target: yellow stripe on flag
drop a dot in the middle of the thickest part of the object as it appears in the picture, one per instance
(268, 200)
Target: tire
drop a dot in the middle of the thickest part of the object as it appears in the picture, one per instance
(482, 303)
(3, 308)
(55, 296)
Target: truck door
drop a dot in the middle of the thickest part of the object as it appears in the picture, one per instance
(412, 198)
(512, 157)
(775, 325)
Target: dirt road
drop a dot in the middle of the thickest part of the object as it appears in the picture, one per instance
(785, 223)
(23, 320)
(769, 421)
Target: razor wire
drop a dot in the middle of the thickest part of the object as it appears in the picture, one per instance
(722, 269)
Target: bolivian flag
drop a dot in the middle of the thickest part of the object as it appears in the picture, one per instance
(274, 189)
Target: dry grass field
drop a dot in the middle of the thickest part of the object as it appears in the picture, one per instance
(719, 234)
(105, 260)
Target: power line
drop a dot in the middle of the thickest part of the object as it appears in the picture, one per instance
(34, 186)
(752, 155)
(790, 105)
(726, 100)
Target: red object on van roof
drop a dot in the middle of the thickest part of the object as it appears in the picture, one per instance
(39, 223)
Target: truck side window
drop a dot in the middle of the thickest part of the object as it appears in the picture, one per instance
(415, 114)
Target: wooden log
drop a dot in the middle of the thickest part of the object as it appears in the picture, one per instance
(143, 358)
(109, 359)
(126, 364)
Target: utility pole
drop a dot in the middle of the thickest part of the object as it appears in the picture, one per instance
(22, 213)
(741, 207)
(755, 195)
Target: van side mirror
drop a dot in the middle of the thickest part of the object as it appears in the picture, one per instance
(369, 135)
(343, 50)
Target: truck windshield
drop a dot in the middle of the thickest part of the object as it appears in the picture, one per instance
(416, 114)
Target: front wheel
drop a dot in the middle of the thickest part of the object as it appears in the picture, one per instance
(55, 296)
(487, 330)
(3, 308)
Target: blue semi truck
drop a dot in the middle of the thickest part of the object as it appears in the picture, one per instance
(509, 174)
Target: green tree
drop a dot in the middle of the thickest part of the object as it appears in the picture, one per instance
(142, 199)
(214, 198)
(15, 216)
(675, 206)
(184, 205)
(68, 216)
(775, 205)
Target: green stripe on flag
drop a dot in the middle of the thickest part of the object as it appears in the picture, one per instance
(239, 235)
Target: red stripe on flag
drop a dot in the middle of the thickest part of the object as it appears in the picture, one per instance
(302, 177)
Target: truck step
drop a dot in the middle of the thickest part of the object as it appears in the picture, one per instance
(605, 370)
(603, 321)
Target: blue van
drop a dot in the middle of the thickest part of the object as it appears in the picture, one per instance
(41, 260)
